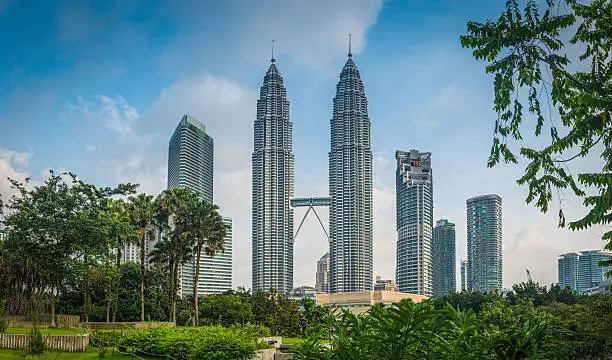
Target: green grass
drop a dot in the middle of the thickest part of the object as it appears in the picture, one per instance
(49, 331)
(90, 354)
(292, 341)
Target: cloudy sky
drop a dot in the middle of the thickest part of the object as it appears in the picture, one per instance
(97, 88)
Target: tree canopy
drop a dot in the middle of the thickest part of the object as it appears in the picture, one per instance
(558, 55)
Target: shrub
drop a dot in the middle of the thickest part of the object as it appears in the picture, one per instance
(102, 352)
(36, 343)
(182, 343)
(101, 338)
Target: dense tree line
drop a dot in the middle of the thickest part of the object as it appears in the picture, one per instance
(65, 237)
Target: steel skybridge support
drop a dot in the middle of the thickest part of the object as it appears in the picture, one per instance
(311, 203)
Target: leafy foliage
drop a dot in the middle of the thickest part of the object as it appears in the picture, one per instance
(36, 342)
(206, 342)
(526, 52)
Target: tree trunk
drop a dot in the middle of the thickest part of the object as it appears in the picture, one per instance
(196, 317)
(108, 306)
(142, 276)
(53, 324)
(175, 295)
(117, 284)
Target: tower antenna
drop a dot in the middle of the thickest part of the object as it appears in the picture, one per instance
(273, 51)
(350, 54)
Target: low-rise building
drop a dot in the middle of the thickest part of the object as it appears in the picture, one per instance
(360, 302)
(384, 285)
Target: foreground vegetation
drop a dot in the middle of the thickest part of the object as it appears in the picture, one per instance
(533, 323)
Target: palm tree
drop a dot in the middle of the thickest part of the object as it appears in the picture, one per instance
(174, 250)
(120, 232)
(142, 215)
(204, 227)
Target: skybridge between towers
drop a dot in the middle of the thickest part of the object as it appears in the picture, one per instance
(311, 203)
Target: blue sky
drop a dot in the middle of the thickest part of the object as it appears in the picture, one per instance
(97, 87)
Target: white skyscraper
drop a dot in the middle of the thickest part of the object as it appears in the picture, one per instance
(414, 202)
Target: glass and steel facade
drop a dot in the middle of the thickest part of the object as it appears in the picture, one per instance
(568, 270)
(190, 158)
(484, 243)
(414, 221)
(272, 214)
(463, 269)
(443, 254)
(190, 165)
(350, 186)
(215, 272)
(322, 278)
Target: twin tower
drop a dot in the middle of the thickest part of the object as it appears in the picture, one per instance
(350, 186)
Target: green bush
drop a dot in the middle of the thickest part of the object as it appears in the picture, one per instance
(102, 352)
(183, 343)
(36, 343)
(101, 338)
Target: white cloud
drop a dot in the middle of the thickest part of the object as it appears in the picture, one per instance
(12, 165)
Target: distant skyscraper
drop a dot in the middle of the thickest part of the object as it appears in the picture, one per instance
(590, 274)
(443, 254)
(215, 272)
(484, 243)
(322, 285)
(190, 166)
(190, 158)
(414, 220)
(463, 275)
(272, 217)
(350, 186)
(568, 270)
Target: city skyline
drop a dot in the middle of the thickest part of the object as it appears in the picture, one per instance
(97, 90)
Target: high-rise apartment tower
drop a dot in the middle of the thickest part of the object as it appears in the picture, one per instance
(484, 243)
(443, 254)
(414, 220)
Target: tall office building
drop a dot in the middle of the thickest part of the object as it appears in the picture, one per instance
(590, 274)
(215, 272)
(350, 186)
(443, 254)
(568, 270)
(190, 165)
(414, 220)
(272, 219)
(322, 281)
(484, 243)
(463, 275)
(190, 158)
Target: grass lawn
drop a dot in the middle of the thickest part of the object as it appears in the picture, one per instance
(292, 341)
(91, 354)
(49, 331)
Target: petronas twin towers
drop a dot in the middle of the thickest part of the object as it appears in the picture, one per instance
(350, 186)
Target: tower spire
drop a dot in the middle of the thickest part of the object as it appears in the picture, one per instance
(273, 60)
(350, 54)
